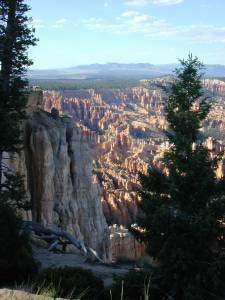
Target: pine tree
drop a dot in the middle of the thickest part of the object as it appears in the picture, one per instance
(15, 38)
(183, 207)
(16, 260)
(17, 264)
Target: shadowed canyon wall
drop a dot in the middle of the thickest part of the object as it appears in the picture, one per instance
(57, 166)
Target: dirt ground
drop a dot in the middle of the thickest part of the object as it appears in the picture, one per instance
(105, 272)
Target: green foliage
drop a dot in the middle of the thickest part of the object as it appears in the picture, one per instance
(75, 84)
(133, 285)
(70, 282)
(182, 212)
(16, 260)
(15, 38)
(140, 262)
(54, 113)
(124, 260)
(12, 191)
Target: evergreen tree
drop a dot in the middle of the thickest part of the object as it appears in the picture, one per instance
(16, 260)
(13, 192)
(182, 208)
(17, 264)
(15, 38)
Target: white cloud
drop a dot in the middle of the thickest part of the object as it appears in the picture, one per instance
(166, 2)
(156, 2)
(139, 19)
(59, 23)
(152, 27)
(136, 2)
(130, 13)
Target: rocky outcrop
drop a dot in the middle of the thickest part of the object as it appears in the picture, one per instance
(57, 165)
(123, 244)
(6, 294)
(215, 86)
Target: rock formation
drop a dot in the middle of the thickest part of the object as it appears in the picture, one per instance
(57, 166)
(6, 294)
(123, 244)
(124, 128)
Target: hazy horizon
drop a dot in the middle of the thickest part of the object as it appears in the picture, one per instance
(126, 31)
(111, 63)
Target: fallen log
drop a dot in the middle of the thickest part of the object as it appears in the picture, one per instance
(58, 236)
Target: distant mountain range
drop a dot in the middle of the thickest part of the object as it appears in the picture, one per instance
(118, 71)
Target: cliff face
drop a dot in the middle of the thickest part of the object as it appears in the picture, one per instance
(58, 169)
(125, 129)
(123, 243)
(124, 136)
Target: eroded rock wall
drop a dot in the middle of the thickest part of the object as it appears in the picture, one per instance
(125, 127)
(57, 166)
(123, 243)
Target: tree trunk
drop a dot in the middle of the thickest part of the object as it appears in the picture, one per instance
(1, 169)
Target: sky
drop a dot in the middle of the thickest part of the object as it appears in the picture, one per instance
(81, 32)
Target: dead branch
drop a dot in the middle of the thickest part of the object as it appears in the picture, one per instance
(58, 236)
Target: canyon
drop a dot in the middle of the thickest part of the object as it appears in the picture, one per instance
(125, 130)
(84, 149)
(123, 137)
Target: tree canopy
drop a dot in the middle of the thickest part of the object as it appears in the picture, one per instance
(16, 35)
(182, 208)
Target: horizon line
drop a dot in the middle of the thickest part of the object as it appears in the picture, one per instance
(121, 63)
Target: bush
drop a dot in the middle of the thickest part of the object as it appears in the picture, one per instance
(70, 282)
(136, 286)
(140, 262)
(16, 260)
(125, 260)
(55, 113)
(144, 262)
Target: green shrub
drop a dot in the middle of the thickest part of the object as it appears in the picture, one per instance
(144, 262)
(70, 282)
(125, 260)
(136, 285)
(16, 260)
(140, 262)
(55, 113)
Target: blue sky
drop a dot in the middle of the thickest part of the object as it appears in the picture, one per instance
(75, 32)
